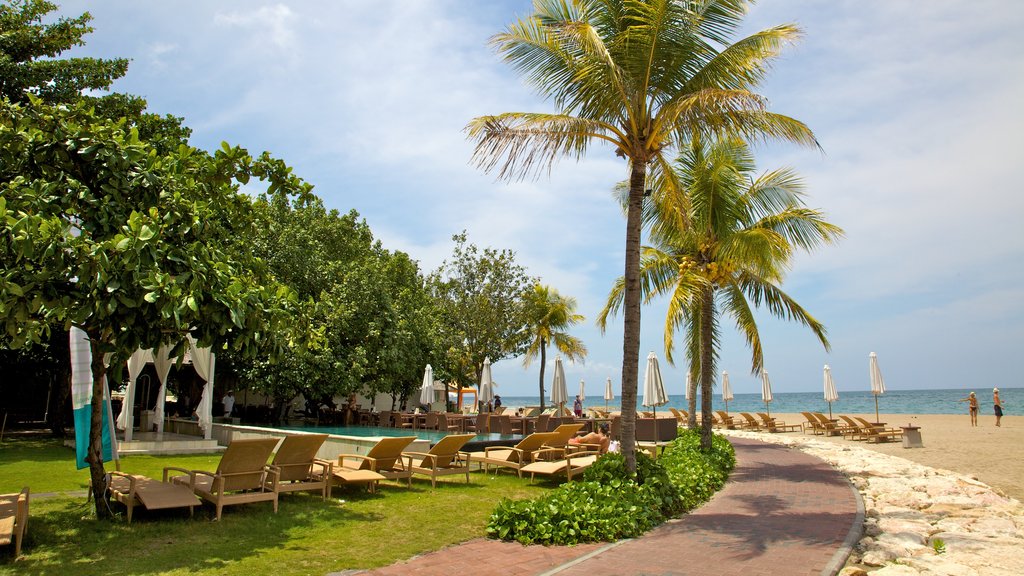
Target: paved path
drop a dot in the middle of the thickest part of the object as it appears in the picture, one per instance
(782, 512)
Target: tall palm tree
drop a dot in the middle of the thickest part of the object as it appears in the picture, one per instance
(641, 76)
(738, 241)
(549, 314)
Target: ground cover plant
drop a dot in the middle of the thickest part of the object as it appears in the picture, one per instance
(354, 529)
(612, 503)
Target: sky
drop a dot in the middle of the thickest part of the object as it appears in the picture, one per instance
(916, 105)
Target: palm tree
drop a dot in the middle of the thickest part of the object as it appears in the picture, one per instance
(642, 76)
(549, 314)
(739, 238)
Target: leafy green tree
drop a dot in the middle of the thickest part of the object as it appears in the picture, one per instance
(549, 316)
(99, 230)
(642, 76)
(480, 307)
(740, 235)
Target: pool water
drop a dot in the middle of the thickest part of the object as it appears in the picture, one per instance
(370, 431)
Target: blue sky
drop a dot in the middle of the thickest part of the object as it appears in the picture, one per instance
(917, 106)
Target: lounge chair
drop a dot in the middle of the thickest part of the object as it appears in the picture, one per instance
(725, 420)
(562, 434)
(385, 458)
(829, 427)
(874, 433)
(749, 422)
(568, 464)
(812, 424)
(516, 457)
(443, 459)
(134, 490)
(851, 429)
(14, 519)
(297, 466)
(681, 415)
(242, 476)
(776, 425)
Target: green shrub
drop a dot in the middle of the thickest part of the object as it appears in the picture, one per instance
(612, 503)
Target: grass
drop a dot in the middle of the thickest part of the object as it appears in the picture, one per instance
(354, 529)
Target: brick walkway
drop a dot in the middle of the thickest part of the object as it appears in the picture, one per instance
(782, 512)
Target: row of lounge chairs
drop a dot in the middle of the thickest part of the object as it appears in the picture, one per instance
(850, 427)
(244, 476)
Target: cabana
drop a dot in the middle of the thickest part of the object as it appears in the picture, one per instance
(202, 360)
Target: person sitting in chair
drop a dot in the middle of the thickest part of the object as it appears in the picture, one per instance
(599, 437)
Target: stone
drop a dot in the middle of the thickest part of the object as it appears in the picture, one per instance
(853, 571)
(877, 557)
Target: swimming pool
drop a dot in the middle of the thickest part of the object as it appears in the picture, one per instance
(431, 436)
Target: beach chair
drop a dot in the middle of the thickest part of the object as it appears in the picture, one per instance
(569, 464)
(852, 429)
(298, 469)
(385, 458)
(812, 423)
(873, 433)
(562, 434)
(515, 457)
(749, 422)
(776, 425)
(14, 519)
(681, 416)
(242, 476)
(135, 490)
(444, 458)
(725, 420)
(827, 426)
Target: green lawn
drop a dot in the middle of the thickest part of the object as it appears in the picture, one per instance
(354, 529)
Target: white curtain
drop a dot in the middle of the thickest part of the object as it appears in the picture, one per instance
(203, 361)
(125, 420)
(162, 362)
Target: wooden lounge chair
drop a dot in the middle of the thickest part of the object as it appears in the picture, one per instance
(443, 459)
(776, 425)
(873, 433)
(568, 464)
(297, 466)
(562, 434)
(242, 476)
(385, 458)
(134, 490)
(14, 519)
(829, 427)
(725, 420)
(682, 416)
(812, 423)
(516, 457)
(749, 422)
(852, 428)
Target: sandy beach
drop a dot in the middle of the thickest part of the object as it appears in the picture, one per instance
(990, 454)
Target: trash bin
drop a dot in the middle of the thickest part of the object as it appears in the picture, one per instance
(147, 420)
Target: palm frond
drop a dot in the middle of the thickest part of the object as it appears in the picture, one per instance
(781, 305)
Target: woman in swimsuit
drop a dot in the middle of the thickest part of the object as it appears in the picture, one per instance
(972, 406)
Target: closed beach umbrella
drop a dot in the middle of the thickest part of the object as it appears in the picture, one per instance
(559, 394)
(486, 384)
(877, 384)
(766, 391)
(583, 386)
(726, 390)
(654, 388)
(608, 394)
(686, 391)
(427, 388)
(830, 390)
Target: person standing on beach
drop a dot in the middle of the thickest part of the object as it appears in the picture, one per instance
(998, 405)
(972, 407)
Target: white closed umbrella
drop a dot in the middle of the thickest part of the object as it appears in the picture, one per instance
(654, 387)
(559, 393)
(583, 395)
(686, 391)
(486, 383)
(830, 390)
(726, 390)
(766, 391)
(608, 393)
(877, 383)
(427, 387)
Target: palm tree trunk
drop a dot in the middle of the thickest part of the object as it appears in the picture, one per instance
(631, 312)
(691, 406)
(707, 370)
(543, 362)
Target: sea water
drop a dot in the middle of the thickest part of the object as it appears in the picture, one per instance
(859, 402)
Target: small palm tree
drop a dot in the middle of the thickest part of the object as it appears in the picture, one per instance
(549, 315)
(722, 241)
(642, 76)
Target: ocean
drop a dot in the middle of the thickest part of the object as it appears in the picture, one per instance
(860, 402)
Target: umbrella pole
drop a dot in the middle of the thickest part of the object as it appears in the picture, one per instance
(726, 407)
(768, 410)
(877, 420)
(829, 410)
